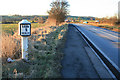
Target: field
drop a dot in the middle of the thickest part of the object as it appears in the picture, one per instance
(45, 52)
(12, 28)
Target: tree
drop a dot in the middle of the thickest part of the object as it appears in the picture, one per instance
(35, 19)
(59, 10)
(41, 20)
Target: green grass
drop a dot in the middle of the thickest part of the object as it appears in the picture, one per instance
(36, 25)
(12, 28)
(9, 28)
(48, 65)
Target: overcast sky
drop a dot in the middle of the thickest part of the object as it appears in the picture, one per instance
(96, 8)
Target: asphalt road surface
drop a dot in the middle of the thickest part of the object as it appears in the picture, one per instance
(79, 61)
(107, 41)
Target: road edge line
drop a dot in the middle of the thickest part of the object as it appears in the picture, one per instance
(109, 64)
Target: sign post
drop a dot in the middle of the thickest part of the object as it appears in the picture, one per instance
(24, 31)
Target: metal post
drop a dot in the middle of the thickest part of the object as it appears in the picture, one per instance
(25, 48)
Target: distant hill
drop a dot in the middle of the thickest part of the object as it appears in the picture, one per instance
(17, 18)
(82, 17)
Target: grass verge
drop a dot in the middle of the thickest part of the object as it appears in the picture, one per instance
(111, 27)
(45, 54)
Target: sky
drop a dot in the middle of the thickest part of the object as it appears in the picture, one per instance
(95, 8)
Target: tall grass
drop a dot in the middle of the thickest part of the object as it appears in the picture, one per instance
(10, 47)
(10, 42)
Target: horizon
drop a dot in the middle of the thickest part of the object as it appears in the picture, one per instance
(93, 8)
(44, 15)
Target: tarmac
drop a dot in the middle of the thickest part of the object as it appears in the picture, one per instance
(79, 60)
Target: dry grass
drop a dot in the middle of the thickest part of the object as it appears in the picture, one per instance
(44, 54)
(107, 26)
(10, 47)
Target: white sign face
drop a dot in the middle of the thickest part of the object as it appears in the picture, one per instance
(25, 30)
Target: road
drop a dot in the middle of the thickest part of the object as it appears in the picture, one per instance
(105, 40)
(79, 60)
